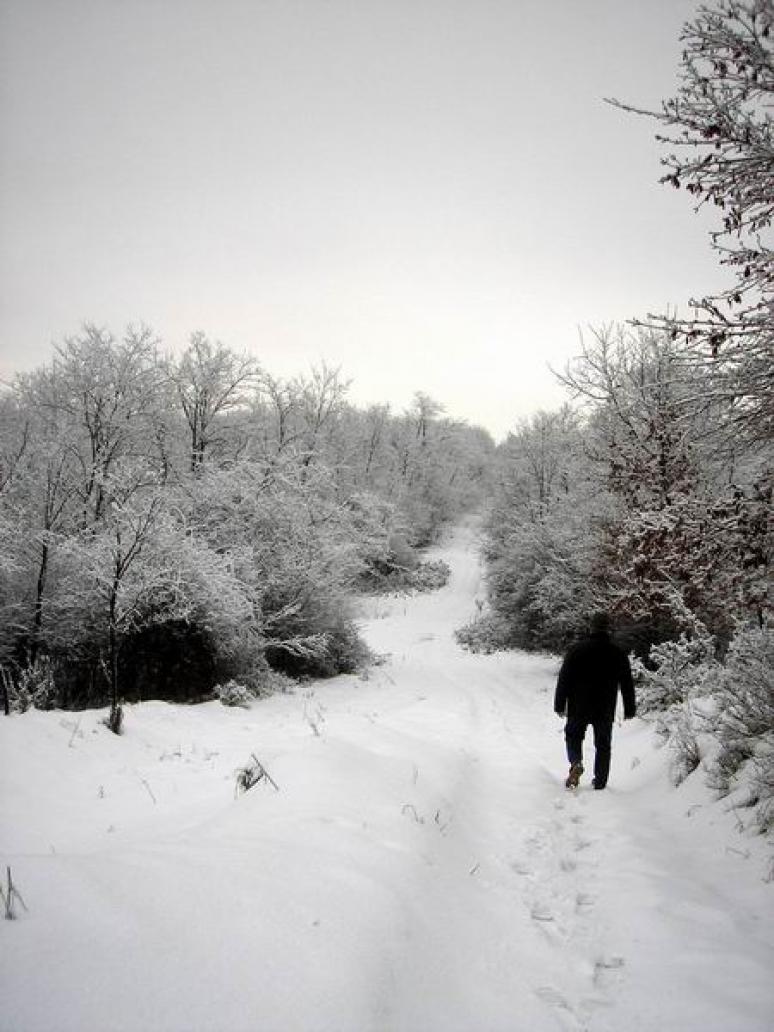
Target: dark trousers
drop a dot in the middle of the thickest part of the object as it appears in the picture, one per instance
(575, 732)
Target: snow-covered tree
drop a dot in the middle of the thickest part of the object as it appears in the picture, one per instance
(188, 520)
(210, 381)
(320, 397)
(671, 551)
(719, 132)
(644, 419)
(544, 533)
(101, 395)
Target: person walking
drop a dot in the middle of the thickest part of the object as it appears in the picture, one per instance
(591, 675)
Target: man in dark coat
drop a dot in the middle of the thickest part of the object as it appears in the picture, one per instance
(593, 672)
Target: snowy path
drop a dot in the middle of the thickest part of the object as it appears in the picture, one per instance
(421, 867)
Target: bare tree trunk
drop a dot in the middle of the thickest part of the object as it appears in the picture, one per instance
(5, 678)
(115, 710)
(37, 621)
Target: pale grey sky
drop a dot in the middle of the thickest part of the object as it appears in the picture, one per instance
(430, 193)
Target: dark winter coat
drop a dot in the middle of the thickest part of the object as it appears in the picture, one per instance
(592, 673)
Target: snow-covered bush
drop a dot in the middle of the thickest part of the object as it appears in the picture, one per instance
(234, 694)
(675, 671)
(430, 576)
(397, 567)
(683, 726)
(486, 634)
(717, 715)
(675, 684)
(264, 681)
(334, 647)
(34, 687)
(545, 533)
(745, 720)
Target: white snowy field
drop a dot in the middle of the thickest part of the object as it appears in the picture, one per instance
(420, 868)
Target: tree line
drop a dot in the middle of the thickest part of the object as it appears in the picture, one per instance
(168, 524)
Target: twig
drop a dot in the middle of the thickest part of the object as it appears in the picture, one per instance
(9, 895)
(250, 775)
(264, 773)
(411, 809)
(150, 791)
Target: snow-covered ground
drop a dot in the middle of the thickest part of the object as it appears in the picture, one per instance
(420, 868)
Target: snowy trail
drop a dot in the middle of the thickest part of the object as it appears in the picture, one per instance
(421, 867)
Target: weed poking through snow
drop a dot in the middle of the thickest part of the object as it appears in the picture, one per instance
(251, 774)
(10, 895)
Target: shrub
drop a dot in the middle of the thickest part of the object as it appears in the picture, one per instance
(485, 634)
(676, 671)
(264, 681)
(745, 720)
(35, 686)
(430, 576)
(718, 714)
(335, 648)
(234, 694)
(684, 735)
(417, 577)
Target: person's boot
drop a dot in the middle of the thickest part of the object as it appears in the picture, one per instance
(576, 769)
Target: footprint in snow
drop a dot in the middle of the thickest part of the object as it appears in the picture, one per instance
(540, 912)
(551, 995)
(584, 900)
(607, 971)
(546, 921)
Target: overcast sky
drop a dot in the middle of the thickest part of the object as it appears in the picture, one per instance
(430, 193)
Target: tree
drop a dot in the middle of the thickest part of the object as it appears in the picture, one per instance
(544, 534)
(540, 458)
(685, 540)
(210, 380)
(91, 411)
(644, 414)
(273, 416)
(721, 130)
(14, 438)
(320, 397)
(99, 398)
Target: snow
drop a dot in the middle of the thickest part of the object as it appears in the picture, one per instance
(420, 868)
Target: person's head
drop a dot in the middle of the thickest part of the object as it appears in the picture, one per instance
(599, 622)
